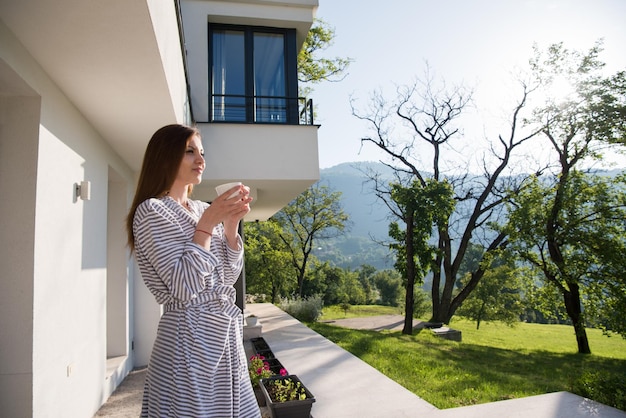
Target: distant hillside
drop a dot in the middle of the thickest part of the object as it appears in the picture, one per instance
(368, 218)
(367, 214)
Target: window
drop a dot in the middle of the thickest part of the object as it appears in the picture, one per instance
(253, 75)
(228, 76)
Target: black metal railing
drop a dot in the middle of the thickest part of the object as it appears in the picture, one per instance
(306, 112)
(261, 109)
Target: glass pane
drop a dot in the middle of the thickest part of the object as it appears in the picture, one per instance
(269, 78)
(228, 76)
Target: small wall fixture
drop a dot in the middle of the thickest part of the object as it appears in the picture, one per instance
(83, 190)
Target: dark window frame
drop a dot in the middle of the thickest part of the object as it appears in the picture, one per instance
(291, 74)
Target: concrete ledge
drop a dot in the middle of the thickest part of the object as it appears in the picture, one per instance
(254, 331)
(343, 385)
(447, 333)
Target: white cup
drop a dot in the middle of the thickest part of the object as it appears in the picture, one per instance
(222, 188)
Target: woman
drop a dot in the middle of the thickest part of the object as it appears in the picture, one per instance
(190, 254)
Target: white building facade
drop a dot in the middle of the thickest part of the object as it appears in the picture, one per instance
(83, 85)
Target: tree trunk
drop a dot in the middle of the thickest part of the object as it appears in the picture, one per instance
(573, 307)
(302, 272)
(410, 279)
(480, 315)
(435, 290)
(445, 304)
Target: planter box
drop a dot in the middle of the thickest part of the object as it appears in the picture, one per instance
(275, 365)
(259, 344)
(268, 354)
(290, 409)
(260, 397)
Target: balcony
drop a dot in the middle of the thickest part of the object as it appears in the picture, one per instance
(267, 142)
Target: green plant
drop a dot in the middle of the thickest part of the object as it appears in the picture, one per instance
(258, 369)
(303, 309)
(284, 390)
(602, 387)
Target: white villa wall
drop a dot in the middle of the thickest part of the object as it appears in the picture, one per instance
(62, 263)
(19, 116)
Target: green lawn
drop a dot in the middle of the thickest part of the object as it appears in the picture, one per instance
(358, 311)
(494, 363)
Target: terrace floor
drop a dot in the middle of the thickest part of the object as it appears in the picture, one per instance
(346, 387)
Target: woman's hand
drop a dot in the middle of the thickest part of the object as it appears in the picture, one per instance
(229, 208)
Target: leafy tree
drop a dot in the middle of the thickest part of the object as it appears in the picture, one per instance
(421, 303)
(590, 241)
(317, 279)
(389, 284)
(542, 300)
(497, 297)
(365, 275)
(335, 284)
(431, 116)
(268, 268)
(311, 67)
(573, 229)
(353, 289)
(420, 208)
(316, 214)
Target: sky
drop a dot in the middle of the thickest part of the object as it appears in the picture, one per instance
(479, 43)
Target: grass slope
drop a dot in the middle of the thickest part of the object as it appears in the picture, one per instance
(491, 364)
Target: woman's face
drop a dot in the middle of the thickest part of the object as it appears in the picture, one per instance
(192, 165)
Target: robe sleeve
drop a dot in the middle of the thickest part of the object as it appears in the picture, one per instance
(233, 263)
(173, 267)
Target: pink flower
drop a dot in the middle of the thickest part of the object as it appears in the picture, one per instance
(283, 372)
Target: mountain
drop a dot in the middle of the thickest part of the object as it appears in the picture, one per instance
(368, 214)
(368, 217)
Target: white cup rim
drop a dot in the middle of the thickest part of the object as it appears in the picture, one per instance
(222, 188)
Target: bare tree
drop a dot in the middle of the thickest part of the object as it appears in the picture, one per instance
(432, 117)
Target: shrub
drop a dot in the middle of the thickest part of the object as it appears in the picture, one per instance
(608, 389)
(303, 309)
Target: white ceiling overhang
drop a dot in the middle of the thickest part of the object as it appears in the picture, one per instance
(107, 56)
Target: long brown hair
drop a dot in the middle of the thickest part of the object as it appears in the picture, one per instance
(161, 162)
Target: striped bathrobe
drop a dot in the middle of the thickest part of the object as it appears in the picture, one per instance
(198, 367)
